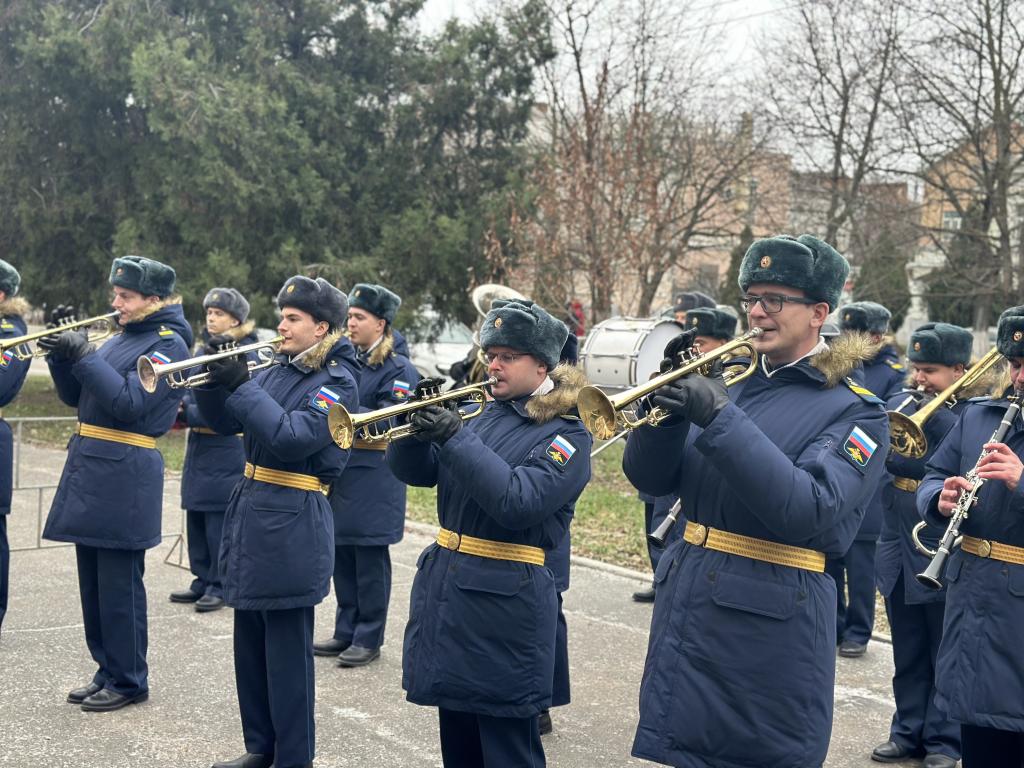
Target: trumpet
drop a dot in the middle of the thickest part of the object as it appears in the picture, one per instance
(344, 425)
(931, 576)
(603, 416)
(151, 372)
(19, 345)
(906, 433)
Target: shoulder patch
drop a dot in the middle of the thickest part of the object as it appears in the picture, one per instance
(896, 366)
(560, 451)
(6, 358)
(400, 390)
(6, 325)
(163, 330)
(323, 400)
(858, 448)
(863, 392)
(159, 358)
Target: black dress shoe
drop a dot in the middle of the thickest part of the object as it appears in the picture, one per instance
(208, 603)
(544, 722)
(852, 650)
(185, 596)
(891, 752)
(644, 595)
(108, 700)
(248, 760)
(354, 656)
(935, 760)
(79, 695)
(330, 647)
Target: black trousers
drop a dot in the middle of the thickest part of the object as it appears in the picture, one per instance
(204, 533)
(362, 584)
(855, 571)
(5, 567)
(991, 748)
(469, 740)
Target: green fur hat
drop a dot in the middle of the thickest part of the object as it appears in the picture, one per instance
(229, 300)
(1010, 332)
(317, 297)
(864, 316)
(145, 276)
(10, 280)
(807, 263)
(375, 299)
(713, 323)
(941, 343)
(523, 325)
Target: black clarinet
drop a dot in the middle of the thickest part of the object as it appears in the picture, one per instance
(931, 576)
(658, 535)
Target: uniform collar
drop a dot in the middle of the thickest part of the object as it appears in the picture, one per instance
(820, 347)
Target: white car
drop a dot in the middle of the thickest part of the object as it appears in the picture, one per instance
(434, 354)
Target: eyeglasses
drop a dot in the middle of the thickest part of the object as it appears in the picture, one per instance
(505, 358)
(772, 302)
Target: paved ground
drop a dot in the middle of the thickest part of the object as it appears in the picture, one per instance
(362, 717)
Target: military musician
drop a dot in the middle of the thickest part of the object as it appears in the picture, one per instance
(13, 370)
(979, 676)
(479, 644)
(773, 473)
(939, 354)
(109, 499)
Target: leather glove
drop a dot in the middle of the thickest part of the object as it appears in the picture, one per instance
(230, 373)
(426, 387)
(435, 424)
(68, 346)
(215, 343)
(60, 314)
(675, 347)
(695, 398)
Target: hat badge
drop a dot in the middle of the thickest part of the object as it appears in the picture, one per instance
(695, 321)
(215, 297)
(290, 288)
(358, 291)
(766, 261)
(1018, 335)
(120, 271)
(497, 323)
(846, 317)
(917, 346)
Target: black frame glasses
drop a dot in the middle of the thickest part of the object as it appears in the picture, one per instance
(772, 303)
(505, 358)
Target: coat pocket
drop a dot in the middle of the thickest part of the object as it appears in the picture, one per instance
(279, 547)
(105, 475)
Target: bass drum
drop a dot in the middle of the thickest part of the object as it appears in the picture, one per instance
(622, 352)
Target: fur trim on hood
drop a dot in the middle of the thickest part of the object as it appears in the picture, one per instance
(844, 354)
(560, 401)
(240, 331)
(383, 350)
(315, 358)
(15, 306)
(151, 309)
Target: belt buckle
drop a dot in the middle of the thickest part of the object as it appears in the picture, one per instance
(984, 548)
(451, 541)
(249, 471)
(699, 535)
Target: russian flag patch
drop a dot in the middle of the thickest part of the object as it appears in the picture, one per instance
(859, 447)
(325, 398)
(159, 358)
(7, 357)
(560, 450)
(400, 390)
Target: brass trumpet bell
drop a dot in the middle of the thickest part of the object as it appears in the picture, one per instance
(105, 325)
(151, 373)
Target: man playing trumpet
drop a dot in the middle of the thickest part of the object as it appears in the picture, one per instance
(773, 473)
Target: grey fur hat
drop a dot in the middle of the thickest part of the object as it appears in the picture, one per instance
(229, 300)
(1010, 332)
(941, 343)
(693, 300)
(807, 263)
(375, 299)
(864, 316)
(10, 280)
(317, 297)
(146, 276)
(713, 323)
(524, 326)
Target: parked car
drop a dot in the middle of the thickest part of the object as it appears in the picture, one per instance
(434, 350)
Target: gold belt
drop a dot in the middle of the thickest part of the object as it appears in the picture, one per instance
(906, 484)
(496, 550)
(1006, 553)
(287, 479)
(115, 435)
(366, 445)
(208, 431)
(756, 549)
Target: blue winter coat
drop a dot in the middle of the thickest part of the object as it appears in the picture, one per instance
(277, 550)
(896, 553)
(368, 500)
(12, 376)
(481, 632)
(111, 494)
(213, 462)
(741, 661)
(884, 375)
(979, 677)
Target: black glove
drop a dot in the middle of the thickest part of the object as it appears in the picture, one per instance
(435, 424)
(675, 347)
(60, 314)
(695, 398)
(230, 373)
(68, 346)
(427, 387)
(215, 343)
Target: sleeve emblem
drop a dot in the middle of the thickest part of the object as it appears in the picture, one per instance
(159, 358)
(325, 398)
(560, 451)
(401, 390)
(859, 447)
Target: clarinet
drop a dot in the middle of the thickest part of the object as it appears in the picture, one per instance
(658, 535)
(931, 576)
